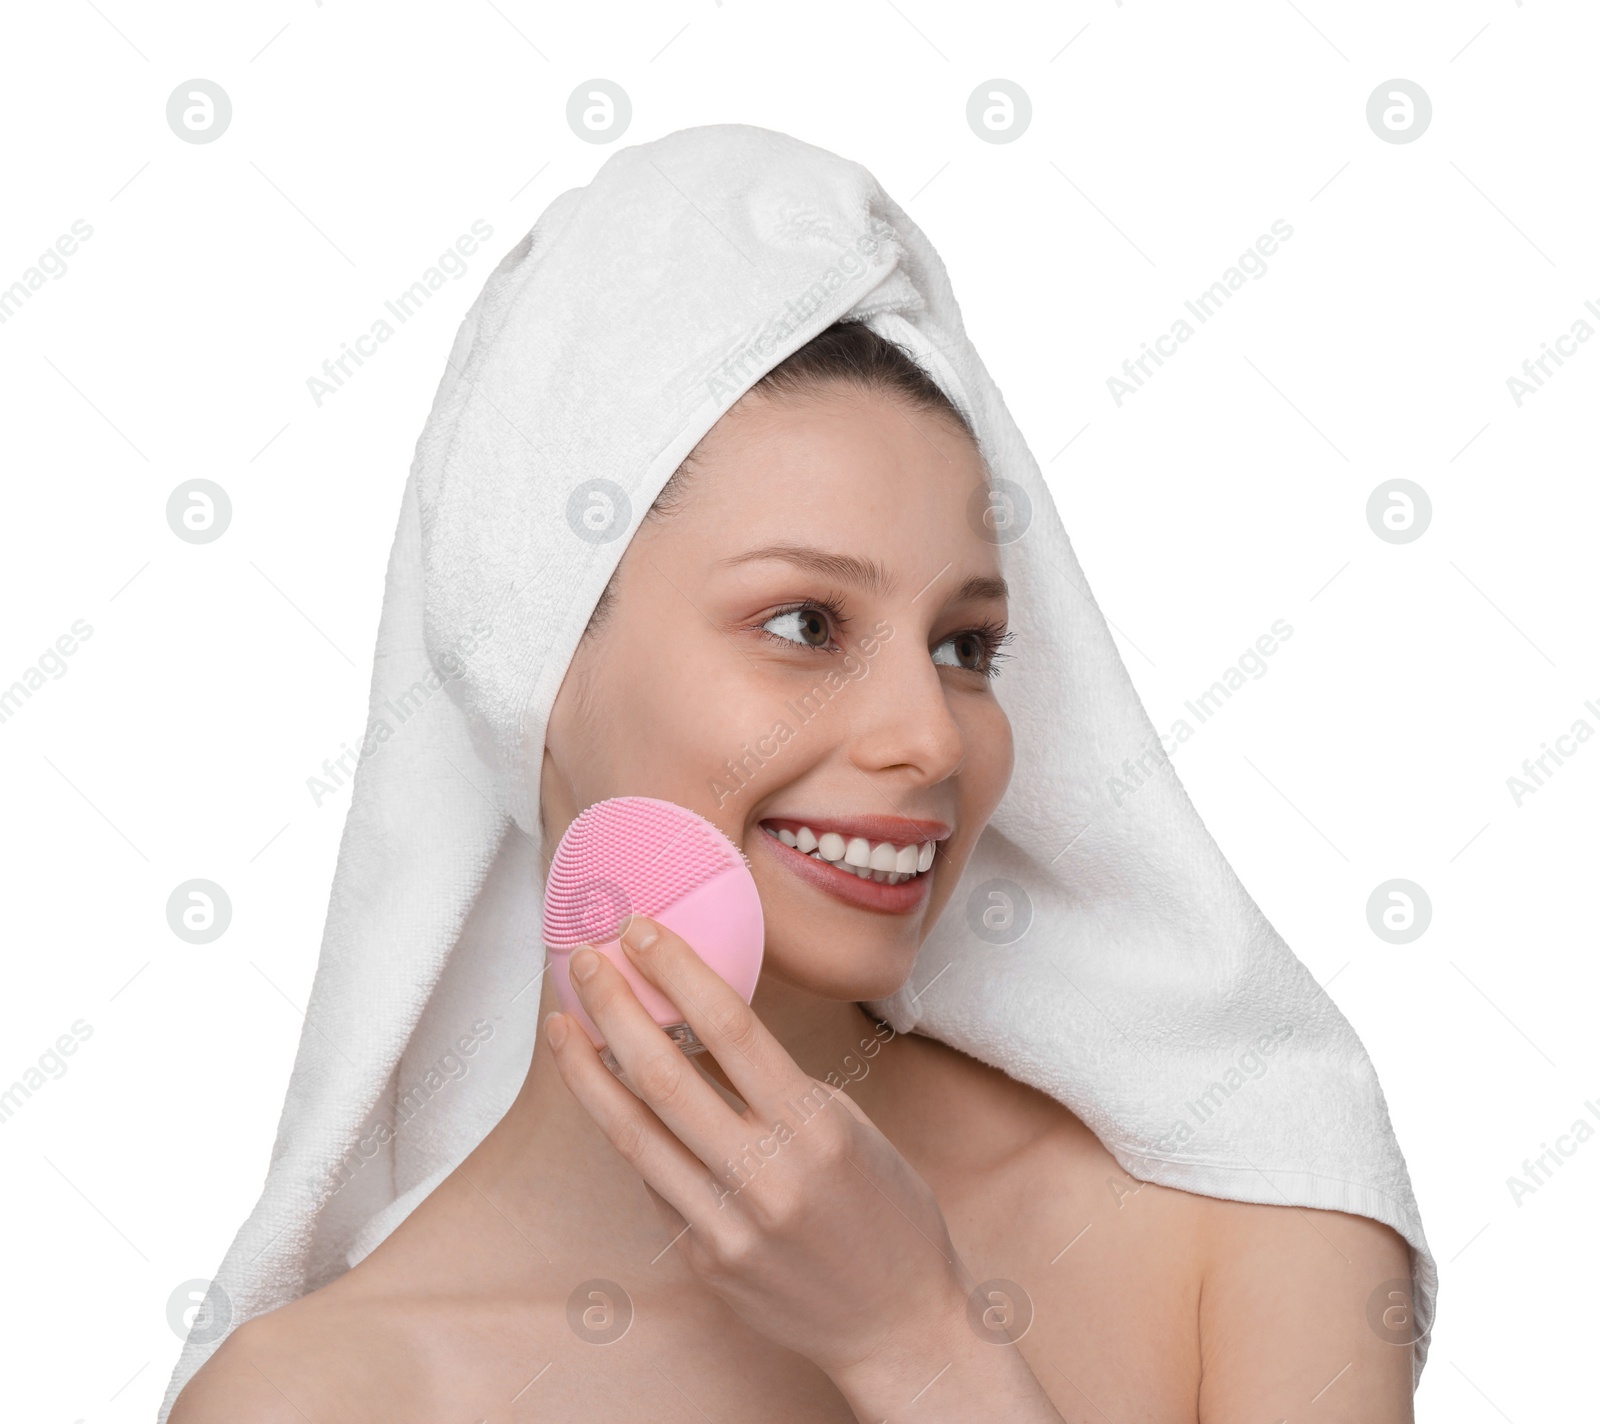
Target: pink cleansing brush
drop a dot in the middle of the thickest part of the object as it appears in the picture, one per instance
(637, 855)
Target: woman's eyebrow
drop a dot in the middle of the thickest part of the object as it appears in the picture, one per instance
(865, 573)
(980, 587)
(847, 568)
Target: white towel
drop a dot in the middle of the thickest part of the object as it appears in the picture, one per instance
(1147, 984)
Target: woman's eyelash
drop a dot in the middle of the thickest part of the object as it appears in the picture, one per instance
(833, 606)
(992, 636)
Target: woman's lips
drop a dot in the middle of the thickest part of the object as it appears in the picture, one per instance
(845, 885)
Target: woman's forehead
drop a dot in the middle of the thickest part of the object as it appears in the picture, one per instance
(842, 461)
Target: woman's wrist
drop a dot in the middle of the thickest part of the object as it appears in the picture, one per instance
(940, 1367)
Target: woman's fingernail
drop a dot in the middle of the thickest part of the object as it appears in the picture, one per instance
(585, 963)
(640, 934)
(555, 1029)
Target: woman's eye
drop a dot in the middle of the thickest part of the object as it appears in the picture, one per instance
(806, 626)
(963, 650)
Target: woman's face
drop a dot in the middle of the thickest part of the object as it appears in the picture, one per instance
(802, 646)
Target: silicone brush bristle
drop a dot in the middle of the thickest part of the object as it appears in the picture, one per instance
(628, 855)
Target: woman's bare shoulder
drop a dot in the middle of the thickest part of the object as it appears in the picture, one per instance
(1257, 1310)
(231, 1387)
(1300, 1303)
(289, 1364)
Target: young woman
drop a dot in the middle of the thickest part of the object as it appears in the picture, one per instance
(819, 1218)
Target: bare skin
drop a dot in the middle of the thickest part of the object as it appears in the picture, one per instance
(834, 1283)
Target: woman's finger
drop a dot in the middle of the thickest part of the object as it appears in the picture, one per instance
(758, 1066)
(668, 1167)
(656, 1068)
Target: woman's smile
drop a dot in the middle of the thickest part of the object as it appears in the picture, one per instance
(882, 863)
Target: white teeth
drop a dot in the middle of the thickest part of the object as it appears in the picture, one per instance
(884, 862)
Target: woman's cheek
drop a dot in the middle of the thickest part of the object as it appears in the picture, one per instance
(673, 728)
(739, 745)
(990, 757)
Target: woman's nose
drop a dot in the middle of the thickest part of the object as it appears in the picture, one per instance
(901, 717)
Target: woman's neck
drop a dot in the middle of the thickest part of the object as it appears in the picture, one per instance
(547, 1153)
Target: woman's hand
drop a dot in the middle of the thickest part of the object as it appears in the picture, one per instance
(798, 1212)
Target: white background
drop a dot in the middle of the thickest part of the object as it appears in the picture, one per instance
(1229, 492)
